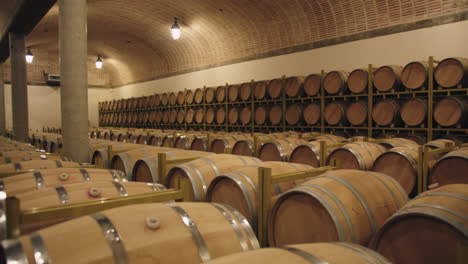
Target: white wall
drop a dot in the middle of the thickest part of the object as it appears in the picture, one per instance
(44, 105)
(442, 41)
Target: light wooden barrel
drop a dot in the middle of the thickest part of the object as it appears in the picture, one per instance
(165, 117)
(440, 143)
(220, 94)
(420, 139)
(220, 115)
(451, 111)
(356, 113)
(398, 142)
(245, 116)
(36, 165)
(357, 155)
(275, 88)
(335, 113)
(386, 112)
(428, 229)
(238, 188)
(452, 72)
(199, 116)
(220, 144)
(111, 236)
(172, 116)
(164, 99)
(311, 114)
(452, 168)
(358, 81)
(99, 155)
(387, 78)
(260, 115)
(189, 96)
(414, 75)
(209, 116)
(294, 114)
(180, 118)
(309, 153)
(414, 111)
(18, 156)
(201, 172)
(185, 141)
(233, 93)
(294, 86)
(135, 102)
(158, 119)
(335, 82)
(210, 95)
(340, 205)
(233, 116)
(245, 91)
(243, 147)
(152, 101)
(275, 115)
(279, 150)
(312, 253)
(198, 96)
(260, 88)
(189, 116)
(180, 98)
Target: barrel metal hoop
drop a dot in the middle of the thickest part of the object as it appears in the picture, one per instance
(3, 194)
(14, 252)
(248, 179)
(358, 156)
(195, 186)
(114, 176)
(127, 161)
(196, 235)
(244, 225)
(62, 195)
(377, 177)
(282, 151)
(340, 206)
(289, 143)
(113, 238)
(358, 252)
(396, 184)
(372, 253)
(152, 168)
(122, 175)
(17, 166)
(235, 227)
(449, 194)
(305, 255)
(243, 160)
(7, 160)
(39, 180)
(408, 157)
(120, 189)
(212, 165)
(439, 207)
(361, 199)
(85, 174)
(41, 255)
(59, 164)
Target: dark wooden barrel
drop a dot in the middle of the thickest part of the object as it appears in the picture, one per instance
(245, 116)
(309, 153)
(180, 117)
(356, 113)
(335, 82)
(126, 104)
(219, 145)
(335, 113)
(280, 149)
(387, 78)
(189, 96)
(220, 94)
(358, 81)
(233, 93)
(260, 89)
(311, 114)
(451, 168)
(294, 114)
(180, 97)
(152, 101)
(209, 116)
(245, 91)
(157, 100)
(386, 112)
(357, 155)
(275, 115)
(260, 115)
(451, 111)
(233, 116)
(414, 75)
(220, 115)
(198, 96)
(431, 228)
(414, 111)
(294, 86)
(151, 117)
(172, 116)
(172, 98)
(199, 116)
(140, 102)
(452, 72)
(312, 84)
(189, 116)
(158, 118)
(275, 88)
(165, 117)
(164, 99)
(210, 95)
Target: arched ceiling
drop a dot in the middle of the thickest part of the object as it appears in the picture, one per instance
(133, 36)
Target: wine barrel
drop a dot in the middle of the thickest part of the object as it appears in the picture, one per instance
(220, 144)
(199, 116)
(165, 117)
(358, 81)
(111, 237)
(155, 140)
(294, 86)
(233, 93)
(18, 156)
(135, 102)
(151, 101)
(414, 112)
(387, 78)
(419, 139)
(414, 75)
(245, 91)
(275, 88)
(220, 94)
(158, 117)
(233, 116)
(334, 252)
(279, 150)
(220, 115)
(390, 143)
(309, 153)
(335, 113)
(357, 155)
(311, 114)
(356, 113)
(201, 172)
(134, 118)
(386, 112)
(99, 152)
(238, 188)
(168, 140)
(294, 114)
(335, 82)
(189, 116)
(451, 168)
(245, 116)
(452, 72)
(36, 165)
(209, 116)
(164, 99)
(180, 117)
(440, 143)
(451, 111)
(180, 98)
(199, 144)
(210, 95)
(198, 96)
(312, 84)
(435, 225)
(189, 97)
(275, 115)
(260, 89)
(339, 205)
(185, 141)
(244, 147)
(260, 116)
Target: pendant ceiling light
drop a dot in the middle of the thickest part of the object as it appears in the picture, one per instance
(175, 29)
(99, 62)
(29, 56)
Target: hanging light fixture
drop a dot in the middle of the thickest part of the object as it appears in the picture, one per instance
(175, 29)
(29, 56)
(99, 62)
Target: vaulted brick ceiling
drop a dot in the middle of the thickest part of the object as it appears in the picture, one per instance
(134, 39)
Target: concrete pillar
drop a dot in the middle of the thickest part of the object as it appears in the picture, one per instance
(74, 78)
(2, 103)
(19, 87)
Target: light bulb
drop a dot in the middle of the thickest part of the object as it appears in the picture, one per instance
(29, 56)
(175, 30)
(99, 62)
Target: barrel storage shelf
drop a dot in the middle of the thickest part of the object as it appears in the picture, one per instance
(236, 97)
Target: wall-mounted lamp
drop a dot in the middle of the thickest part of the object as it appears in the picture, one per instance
(99, 62)
(175, 29)
(29, 56)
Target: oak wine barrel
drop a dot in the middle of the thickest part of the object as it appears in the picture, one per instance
(452, 72)
(209, 116)
(185, 141)
(357, 155)
(358, 81)
(151, 101)
(210, 95)
(294, 114)
(180, 98)
(275, 88)
(219, 145)
(157, 100)
(260, 89)
(260, 115)
(245, 91)
(275, 115)
(440, 143)
(335, 82)
(294, 86)
(180, 117)
(387, 78)
(414, 75)
(199, 116)
(312, 84)
(451, 168)
(220, 115)
(233, 93)
(335, 113)
(189, 96)
(419, 139)
(158, 117)
(233, 116)
(164, 99)
(220, 94)
(165, 117)
(245, 116)
(356, 113)
(390, 143)
(414, 112)
(386, 112)
(199, 144)
(311, 114)
(135, 102)
(198, 96)
(451, 111)
(280, 149)
(26, 166)
(189, 116)
(244, 147)
(309, 153)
